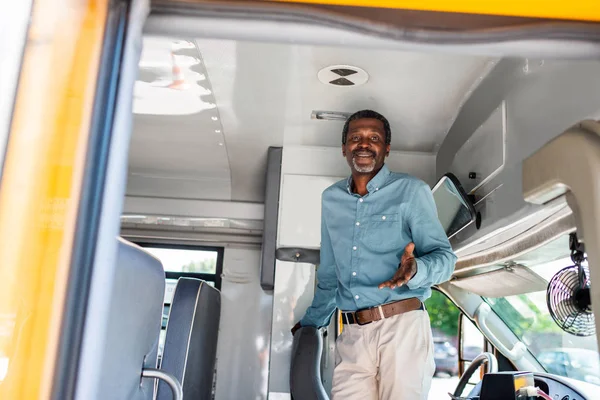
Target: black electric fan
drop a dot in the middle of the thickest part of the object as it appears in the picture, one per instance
(568, 294)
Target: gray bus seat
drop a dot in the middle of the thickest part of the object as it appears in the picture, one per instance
(134, 323)
(190, 348)
(305, 368)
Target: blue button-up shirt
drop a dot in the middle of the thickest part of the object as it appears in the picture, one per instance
(363, 239)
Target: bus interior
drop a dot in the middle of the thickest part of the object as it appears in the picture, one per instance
(234, 139)
(232, 131)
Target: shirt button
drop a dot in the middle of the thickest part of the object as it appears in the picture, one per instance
(376, 189)
(361, 200)
(354, 248)
(357, 297)
(358, 224)
(354, 274)
(383, 217)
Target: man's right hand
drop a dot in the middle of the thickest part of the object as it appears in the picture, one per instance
(406, 270)
(295, 328)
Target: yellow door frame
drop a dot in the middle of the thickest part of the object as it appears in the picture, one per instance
(578, 10)
(41, 184)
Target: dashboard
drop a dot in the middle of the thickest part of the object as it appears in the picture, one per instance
(556, 387)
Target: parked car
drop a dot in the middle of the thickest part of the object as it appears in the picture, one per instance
(446, 357)
(471, 352)
(574, 363)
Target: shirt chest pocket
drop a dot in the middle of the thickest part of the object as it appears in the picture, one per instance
(384, 232)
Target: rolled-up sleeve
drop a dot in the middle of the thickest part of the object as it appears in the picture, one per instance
(434, 255)
(323, 305)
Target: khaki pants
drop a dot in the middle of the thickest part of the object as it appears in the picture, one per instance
(391, 359)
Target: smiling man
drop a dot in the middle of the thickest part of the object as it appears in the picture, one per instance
(382, 248)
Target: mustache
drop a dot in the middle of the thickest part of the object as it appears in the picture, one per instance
(363, 151)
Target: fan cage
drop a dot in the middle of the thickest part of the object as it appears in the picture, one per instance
(561, 302)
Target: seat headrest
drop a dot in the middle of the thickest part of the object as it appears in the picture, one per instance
(191, 340)
(305, 368)
(134, 324)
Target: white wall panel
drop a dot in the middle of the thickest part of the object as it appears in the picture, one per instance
(244, 333)
(300, 219)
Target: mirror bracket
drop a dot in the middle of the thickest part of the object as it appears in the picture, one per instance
(455, 207)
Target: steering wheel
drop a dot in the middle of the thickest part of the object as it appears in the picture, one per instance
(491, 366)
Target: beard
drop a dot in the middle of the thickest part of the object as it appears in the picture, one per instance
(364, 169)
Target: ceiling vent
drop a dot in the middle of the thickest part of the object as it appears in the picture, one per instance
(343, 76)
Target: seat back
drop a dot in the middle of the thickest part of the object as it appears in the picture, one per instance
(305, 368)
(190, 348)
(134, 325)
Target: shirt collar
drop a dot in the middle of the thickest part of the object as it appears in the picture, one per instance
(375, 183)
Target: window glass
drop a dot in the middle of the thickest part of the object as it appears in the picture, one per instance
(443, 315)
(472, 345)
(184, 260)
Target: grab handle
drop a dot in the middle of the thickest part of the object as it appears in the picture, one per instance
(514, 354)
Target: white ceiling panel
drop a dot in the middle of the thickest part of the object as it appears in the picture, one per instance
(261, 95)
(277, 85)
(178, 147)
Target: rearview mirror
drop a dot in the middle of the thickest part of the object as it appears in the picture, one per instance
(454, 207)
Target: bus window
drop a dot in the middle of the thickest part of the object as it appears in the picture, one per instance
(443, 315)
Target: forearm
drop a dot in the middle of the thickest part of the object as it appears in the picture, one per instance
(433, 268)
(322, 307)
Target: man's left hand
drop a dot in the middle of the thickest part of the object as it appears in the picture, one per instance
(406, 270)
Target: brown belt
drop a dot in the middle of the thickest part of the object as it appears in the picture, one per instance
(368, 315)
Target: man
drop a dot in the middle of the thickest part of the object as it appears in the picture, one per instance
(382, 248)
